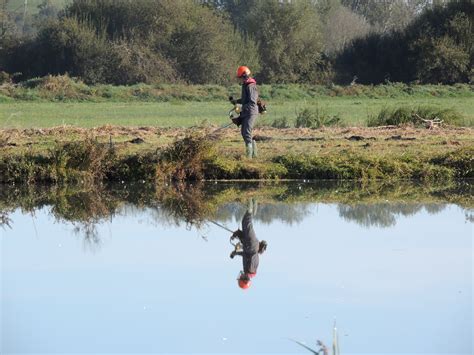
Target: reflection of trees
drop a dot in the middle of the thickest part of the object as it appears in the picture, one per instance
(194, 205)
(469, 217)
(267, 212)
(5, 220)
(384, 214)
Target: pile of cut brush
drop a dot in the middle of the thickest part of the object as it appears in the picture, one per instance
(186, 158)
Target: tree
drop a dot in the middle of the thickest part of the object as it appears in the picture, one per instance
(341, 27)
(387, 15)
(289, 39)
(443, 43)
(437, 47)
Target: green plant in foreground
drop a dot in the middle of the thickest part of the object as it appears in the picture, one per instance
(281, 122)
(315, 118)
(185, 159)
(395, 116)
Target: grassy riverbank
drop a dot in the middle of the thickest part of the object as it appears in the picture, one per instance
(68, 154)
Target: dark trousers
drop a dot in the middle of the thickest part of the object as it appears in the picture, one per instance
(246, 128)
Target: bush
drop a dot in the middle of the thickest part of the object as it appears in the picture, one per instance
(315, 118)
(403, 115)
(281, 122)
(59, 87)
(86, 159)
(185, 159)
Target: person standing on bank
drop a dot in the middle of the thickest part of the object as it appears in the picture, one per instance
(249, 111)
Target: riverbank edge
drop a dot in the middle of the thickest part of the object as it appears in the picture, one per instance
(89, 161)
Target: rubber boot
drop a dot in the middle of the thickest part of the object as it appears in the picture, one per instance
(249, 150)
(254, 206)
(250, 206)
(254, 149)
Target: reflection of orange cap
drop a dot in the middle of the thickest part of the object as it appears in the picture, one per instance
(244, 284)
(252, 274)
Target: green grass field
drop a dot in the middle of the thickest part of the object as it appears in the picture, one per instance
(353, 111)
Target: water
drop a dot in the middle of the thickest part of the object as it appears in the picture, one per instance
(146, 272)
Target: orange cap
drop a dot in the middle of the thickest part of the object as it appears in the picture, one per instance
(242, 70)
(244, 284)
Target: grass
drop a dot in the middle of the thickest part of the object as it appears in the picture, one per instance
(352, 111)
(60, 100)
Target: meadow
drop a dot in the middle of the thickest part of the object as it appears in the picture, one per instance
(353, 111)
(56, 129)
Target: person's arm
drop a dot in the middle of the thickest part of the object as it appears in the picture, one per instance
(234, 253)
(233, 101)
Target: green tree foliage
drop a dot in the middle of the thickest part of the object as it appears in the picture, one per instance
(192, 42)
(442, 43)
(203, 41)
(68, 45)
(387, 15)
(288, 34)
(124, 42)
(435, 48)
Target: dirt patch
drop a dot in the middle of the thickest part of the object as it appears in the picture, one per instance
(360, 138)
(400, 138)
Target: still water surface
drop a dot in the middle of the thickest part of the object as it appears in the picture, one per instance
(396, 277)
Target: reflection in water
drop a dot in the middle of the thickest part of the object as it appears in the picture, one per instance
(248, 247)
(268, 212)
(383, 214)
(5, 221)
(370, 206)
(154, 285)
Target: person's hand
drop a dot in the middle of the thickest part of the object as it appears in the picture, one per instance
(232, 101)
(232, 254)
(237, 234)
(236, 121)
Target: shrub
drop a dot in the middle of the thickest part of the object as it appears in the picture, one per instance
(86, 159)
(185, 159)
(316, 118)
(281, 122)
(60, 87)
(408, 115)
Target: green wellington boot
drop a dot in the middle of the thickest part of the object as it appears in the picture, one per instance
(249, 150)
(254, 149)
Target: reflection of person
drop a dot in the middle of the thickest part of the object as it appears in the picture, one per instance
(249, 248)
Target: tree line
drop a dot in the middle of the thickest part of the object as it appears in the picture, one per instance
(203, 41)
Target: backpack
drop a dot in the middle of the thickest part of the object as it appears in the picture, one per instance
(262, 106)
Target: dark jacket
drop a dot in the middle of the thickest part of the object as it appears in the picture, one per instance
(250, 244)
(249, 98)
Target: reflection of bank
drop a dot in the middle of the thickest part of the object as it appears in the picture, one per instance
(248, 247)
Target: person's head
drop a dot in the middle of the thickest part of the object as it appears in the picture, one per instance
(244, 281)
(243, 73)
(262, 246)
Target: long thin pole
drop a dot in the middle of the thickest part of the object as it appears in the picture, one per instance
(223, 227)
